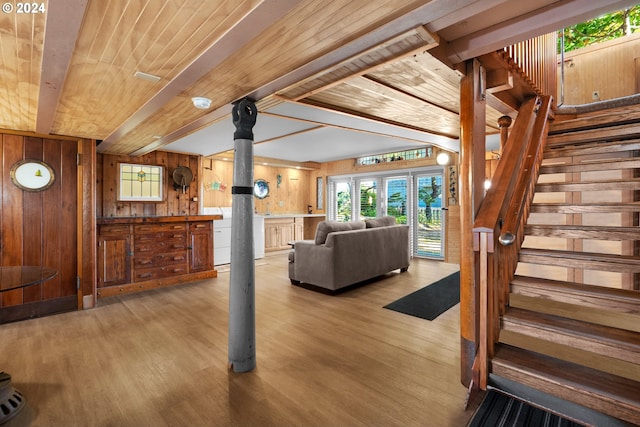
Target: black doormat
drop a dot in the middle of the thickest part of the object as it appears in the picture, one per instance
(498, 409)
(432, 300)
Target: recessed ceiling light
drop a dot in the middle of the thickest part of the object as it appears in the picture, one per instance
(146, 76)
(201, 103)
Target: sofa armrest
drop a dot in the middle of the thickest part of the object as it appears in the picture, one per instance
(313, 264)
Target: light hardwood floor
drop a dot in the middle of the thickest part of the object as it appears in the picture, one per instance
(159, 358)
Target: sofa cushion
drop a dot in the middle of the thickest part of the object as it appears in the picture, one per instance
(326, 227)
(385, 221)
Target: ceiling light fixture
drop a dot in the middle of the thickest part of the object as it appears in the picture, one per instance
(442, 159)
(201, 102)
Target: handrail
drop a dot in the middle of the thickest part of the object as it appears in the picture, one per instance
(503, 213)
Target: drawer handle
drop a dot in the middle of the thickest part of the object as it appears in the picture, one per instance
(145, 275)
(178, 258)
(200, 226)
(144, 262)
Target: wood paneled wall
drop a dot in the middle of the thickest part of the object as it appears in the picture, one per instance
(585, 71)
(43, 228)
(292, 195)
(174, 203)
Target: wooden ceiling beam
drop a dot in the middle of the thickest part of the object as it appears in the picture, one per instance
(64, 19)
(228, 156)
(348, 69)
(545, 20)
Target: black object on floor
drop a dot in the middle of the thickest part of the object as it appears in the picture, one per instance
(498, 409)
(432, 300)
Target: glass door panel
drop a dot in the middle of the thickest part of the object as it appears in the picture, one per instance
(396, 192)
(343, 201)
(429, 220)
(368, 198)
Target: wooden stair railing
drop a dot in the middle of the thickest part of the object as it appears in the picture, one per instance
(499, 224)
(572, 344)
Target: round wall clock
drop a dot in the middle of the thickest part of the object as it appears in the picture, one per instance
(260, 188)
(32, 175)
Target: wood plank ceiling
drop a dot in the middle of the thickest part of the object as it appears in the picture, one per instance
(71, 71)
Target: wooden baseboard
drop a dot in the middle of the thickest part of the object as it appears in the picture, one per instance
(156, 283)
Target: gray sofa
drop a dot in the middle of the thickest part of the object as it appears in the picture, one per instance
(346, 253)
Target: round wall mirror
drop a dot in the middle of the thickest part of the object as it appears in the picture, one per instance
(260, 188)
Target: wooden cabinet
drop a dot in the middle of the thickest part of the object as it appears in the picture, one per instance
(277, 233)
(143, 253)
(114, 255)
(200, 246)
(298, 228)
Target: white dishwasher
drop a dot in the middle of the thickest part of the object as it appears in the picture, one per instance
(222, 235)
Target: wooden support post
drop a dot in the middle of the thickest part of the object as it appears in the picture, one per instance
(472, 162)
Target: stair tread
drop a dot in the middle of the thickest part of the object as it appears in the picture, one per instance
(581, 260)
(608, 133)
(608, 341)
(602, 185)
(591, 148)
(600, 232)
(553, 253)
(606, 393)
(620, 300)
(584, 207)
(607, 118)
(602, 165)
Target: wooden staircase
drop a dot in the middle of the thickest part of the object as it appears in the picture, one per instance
(571, 328)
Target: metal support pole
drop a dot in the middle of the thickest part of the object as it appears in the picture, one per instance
(242, 316)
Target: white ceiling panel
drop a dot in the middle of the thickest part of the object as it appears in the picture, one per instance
(329, 144)
(298, 132)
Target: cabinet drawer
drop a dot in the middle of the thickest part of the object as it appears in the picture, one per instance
(159, 260)
(159, 246)
(114, 230)
(156, 228)
(169, 236)
(160, 272)
(200, 226)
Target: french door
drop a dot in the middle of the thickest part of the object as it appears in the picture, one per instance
(413, 198)
(428, 220)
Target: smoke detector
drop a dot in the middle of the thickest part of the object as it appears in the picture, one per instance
(201, 102)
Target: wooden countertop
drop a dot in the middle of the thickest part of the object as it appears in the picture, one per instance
(155, 219)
